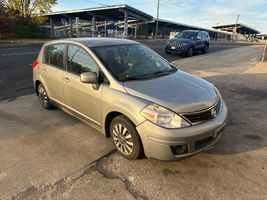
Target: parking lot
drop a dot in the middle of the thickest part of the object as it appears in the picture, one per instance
(16, 72)
(50, 155)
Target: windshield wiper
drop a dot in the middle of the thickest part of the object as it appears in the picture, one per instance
(128, 78)
(162, 72)
(145, 76)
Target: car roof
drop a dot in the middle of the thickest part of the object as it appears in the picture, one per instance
(192, 31)
(195, 31)
(96, 42)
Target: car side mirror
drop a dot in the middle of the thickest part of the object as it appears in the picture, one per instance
(89, 77)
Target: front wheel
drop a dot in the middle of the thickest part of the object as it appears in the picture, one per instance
(205, 49)
(125, 137)
(190, 52)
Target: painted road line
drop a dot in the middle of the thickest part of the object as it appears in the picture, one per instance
(11, 48)
(19, 54)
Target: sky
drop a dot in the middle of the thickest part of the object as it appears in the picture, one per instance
(203, 13)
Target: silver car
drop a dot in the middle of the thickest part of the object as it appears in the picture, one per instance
(127, 91)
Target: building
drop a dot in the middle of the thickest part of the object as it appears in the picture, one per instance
(116, 21)
(240, 31)
(262, 36)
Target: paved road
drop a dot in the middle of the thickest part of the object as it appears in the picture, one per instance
(16, 73)
(15, 70)
(48, 154)
(214, 47)
(234, 169)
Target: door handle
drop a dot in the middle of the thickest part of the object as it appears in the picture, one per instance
(67, 80)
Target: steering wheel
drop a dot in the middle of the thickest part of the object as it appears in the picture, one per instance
(133, 69)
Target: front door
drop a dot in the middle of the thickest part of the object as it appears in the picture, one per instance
(199, 41)
(81, 97)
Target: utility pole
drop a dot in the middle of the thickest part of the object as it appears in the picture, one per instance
(235, 28)
(157, 23)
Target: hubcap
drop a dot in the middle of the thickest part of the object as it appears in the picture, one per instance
(43, 96)
(122, 139)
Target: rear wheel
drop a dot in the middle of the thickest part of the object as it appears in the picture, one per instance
(125, 137)
(205, 49)
(43, 97)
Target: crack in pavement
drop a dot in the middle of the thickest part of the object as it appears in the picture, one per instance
(41, 191)
(128, 185)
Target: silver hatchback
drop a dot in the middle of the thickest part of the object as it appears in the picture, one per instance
(127, 91)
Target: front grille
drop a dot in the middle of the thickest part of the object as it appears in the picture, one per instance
(203, 143)
(175, 43)
(201, 116)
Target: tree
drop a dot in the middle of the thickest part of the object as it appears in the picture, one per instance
(27, 8)
(21, 18)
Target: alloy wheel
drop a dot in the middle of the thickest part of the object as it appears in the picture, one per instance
(43, 96)
(123, 139)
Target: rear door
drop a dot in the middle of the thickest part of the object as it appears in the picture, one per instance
(81, 97)
(52, 69)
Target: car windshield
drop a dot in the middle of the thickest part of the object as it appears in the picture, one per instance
(187, 35)
(132, 62)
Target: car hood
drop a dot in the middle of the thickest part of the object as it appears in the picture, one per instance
(181, 40)
(180, 92)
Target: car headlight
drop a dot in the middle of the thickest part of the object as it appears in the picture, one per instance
(163, 117)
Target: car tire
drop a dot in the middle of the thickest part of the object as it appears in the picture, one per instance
(43, 97)
(205, 49)
(126, 138)
(190, 52)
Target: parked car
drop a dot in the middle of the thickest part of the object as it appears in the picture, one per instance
(127, 91)
(188, 42)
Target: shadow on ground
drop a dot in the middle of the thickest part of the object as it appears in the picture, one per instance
(246, 98)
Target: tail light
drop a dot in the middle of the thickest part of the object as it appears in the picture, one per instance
(34, 64)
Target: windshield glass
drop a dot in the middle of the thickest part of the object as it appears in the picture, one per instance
(134, 61)
(187, 35)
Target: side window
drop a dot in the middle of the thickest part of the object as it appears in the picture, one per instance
(53, 55)
(199, 35)
(80, 61)
(204, 35)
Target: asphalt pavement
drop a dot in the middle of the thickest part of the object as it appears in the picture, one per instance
(16, 59)
(51, 155)
(234, 169)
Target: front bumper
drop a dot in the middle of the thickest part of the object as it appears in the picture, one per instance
(157, 141)
(177, 49)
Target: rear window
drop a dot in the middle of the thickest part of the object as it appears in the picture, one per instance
(53, 55)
